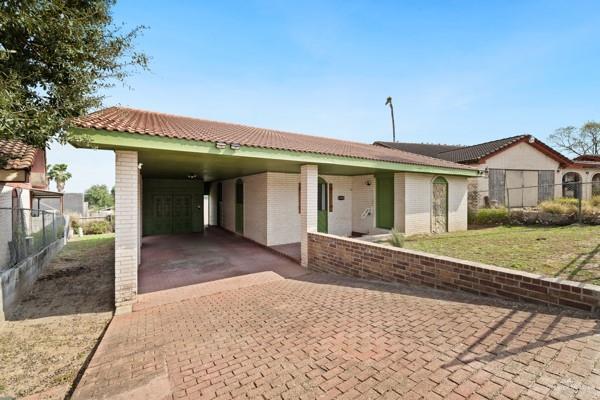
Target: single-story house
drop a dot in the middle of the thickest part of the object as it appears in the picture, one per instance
(269, 186)
(520, 171)
(23, 185)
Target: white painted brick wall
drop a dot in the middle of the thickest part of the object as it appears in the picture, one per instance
(126, 229)
(418, 189)
(458, 203)
(339, 221)
(255, 208)
(309, 175)
(283, 225)
(363, 197)
(399, 202)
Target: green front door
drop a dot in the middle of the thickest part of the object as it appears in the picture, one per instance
(239, 206)
(322, 206)
(384, 201)
(161, 220)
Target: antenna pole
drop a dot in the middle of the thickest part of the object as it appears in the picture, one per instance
(389, 102)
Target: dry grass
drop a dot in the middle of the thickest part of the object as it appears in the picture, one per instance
(54, 329)
(571, 252)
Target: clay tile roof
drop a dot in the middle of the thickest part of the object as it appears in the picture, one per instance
(18, 155)
(478, 151)
(172, 126)
(426, 149)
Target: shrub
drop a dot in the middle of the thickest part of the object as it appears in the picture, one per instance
(97, 227)
(75, 224)
(490, 216)
(559, 206)
(595, 202)
(396, 239)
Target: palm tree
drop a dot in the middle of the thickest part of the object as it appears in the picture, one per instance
(58, 173)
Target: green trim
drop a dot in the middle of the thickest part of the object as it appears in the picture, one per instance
(131, 141)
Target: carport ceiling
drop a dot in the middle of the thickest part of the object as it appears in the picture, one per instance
(210, 167)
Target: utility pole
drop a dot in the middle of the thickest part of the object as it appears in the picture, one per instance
(389, 102)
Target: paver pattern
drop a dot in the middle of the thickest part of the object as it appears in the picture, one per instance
(323, 336)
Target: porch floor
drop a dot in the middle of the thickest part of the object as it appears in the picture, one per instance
(290, 250)
(171, 261)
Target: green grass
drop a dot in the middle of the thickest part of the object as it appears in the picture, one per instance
(571, 252)
(78, 246)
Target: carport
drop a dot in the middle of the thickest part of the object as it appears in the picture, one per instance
(172, 261)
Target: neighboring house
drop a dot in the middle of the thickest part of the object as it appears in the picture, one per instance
(23, 184)
(72, 204)
(269, 186)
(585, 169)
(520, 170)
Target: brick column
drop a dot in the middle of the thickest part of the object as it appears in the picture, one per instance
(126, 229)
(309, 178)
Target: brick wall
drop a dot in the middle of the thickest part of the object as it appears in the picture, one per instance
(283, 222)
(126, 229)
(255, 208)
(333, 254)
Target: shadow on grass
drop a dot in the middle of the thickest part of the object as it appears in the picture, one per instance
(79, 280)
(578, 264)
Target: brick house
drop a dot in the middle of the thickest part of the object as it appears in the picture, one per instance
(520, 170)
(269, 186)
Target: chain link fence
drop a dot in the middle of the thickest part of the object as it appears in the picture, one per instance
(24, 232)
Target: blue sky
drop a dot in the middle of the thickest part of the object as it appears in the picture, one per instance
(458, 71)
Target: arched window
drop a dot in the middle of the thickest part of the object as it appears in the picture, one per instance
(439, 205)
(571, 185)
(596, 185)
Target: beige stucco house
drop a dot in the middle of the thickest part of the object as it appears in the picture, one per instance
(268, 186)
(519, 171)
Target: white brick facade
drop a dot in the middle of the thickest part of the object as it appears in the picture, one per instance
(271, 205)
(309, 176)
(283, 222)
(127, 228)
(363, 204)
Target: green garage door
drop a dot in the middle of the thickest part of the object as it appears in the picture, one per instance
(384, 191)
(172, 206)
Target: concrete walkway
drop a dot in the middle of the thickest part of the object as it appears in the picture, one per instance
(326, 337)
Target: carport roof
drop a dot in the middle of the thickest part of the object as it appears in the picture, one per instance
(128, 120)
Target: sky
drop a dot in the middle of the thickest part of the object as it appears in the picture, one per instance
(459, 72)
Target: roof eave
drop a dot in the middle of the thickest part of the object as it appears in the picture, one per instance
(117, 140)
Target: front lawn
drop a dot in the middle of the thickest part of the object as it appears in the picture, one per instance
(571, 252)
(47, 339)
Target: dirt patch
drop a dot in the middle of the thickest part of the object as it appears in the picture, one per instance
(53, 330)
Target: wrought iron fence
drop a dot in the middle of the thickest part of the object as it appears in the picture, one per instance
(24, 232)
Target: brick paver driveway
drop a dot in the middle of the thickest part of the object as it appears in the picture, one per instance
(326, 337)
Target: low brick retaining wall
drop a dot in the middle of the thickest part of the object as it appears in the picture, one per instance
(352, 257)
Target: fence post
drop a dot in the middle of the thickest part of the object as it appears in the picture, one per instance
(43, 229)
(53, 227)
(579, 197)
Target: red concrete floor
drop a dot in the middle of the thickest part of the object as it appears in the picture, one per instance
(171, 261)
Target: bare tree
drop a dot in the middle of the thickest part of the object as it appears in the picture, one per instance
(579, 141)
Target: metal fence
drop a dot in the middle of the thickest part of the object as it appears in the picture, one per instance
(532, 195)
(24, 232)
